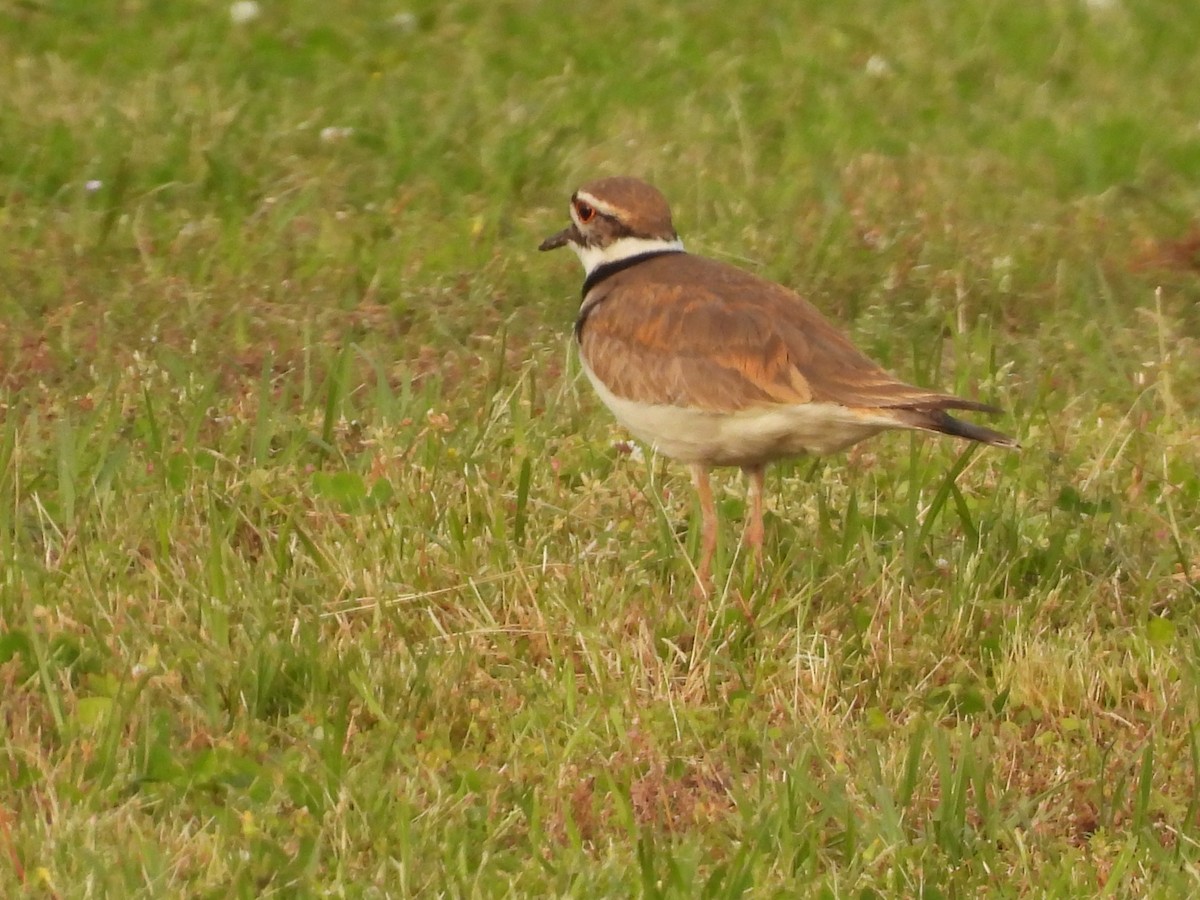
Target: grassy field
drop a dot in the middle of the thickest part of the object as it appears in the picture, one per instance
(323, 572)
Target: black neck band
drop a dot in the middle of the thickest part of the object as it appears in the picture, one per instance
(608, 270)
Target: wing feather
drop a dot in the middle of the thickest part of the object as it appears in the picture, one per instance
(688, 331)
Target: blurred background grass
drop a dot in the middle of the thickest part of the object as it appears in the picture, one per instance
(323, 574)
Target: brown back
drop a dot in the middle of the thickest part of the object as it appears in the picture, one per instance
(688, 331)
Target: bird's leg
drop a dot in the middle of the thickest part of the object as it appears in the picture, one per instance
(754, 528)
(708, 525)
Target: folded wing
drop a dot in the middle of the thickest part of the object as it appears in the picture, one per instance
(724, 340)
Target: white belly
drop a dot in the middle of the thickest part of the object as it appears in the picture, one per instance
(749, 437)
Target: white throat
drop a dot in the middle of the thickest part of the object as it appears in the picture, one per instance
(623, 248)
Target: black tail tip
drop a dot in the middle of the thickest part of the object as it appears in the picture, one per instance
(972, 432)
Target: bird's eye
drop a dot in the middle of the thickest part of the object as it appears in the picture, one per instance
(585, 212)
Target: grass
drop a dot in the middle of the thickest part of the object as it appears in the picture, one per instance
(322, 572)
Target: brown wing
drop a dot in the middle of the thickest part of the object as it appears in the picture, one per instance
(688, 331)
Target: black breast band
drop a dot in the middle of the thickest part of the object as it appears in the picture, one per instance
(606, 271)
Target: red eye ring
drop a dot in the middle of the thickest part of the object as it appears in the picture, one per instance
(585, 212)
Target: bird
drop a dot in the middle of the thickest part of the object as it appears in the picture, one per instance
(715, 366)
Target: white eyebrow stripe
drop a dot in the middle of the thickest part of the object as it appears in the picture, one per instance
(597, 204)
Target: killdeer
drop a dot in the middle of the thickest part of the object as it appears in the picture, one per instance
(714, 366)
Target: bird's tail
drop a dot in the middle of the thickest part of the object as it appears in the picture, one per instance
(941, 421)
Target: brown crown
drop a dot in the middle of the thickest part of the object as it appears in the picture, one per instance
(640, 207)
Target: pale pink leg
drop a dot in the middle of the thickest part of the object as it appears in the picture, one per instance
(708, 525)
(754, 528)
